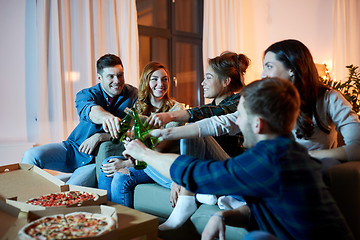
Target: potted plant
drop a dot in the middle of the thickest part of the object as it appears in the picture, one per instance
(350, 88)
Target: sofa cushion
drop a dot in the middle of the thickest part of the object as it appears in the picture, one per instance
(155, 199)
(344, 183)
(105, 150)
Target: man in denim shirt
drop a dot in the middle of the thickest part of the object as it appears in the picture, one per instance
(100, 108)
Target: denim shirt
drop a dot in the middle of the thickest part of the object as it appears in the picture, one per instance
(85, 99)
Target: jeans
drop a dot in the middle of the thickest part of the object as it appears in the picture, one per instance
(120, 187)
(203, 148)
(53, 156)
(259, 235)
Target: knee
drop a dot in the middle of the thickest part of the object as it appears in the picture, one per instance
(122, 181)
(30, 156)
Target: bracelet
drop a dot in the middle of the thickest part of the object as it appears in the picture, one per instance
(217, 215)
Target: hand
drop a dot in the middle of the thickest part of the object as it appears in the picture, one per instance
(134, 149)
(114, 165)
(158, 120)
(174, 193)
(161, 134)
(111, 124)
(90, 143)
(215, 228)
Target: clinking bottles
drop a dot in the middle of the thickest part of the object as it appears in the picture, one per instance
(125, 125)
(139, 130)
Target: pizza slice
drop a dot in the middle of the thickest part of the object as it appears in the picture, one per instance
(89, 224)
(49, 227)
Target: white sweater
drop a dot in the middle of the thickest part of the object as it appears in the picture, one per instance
(334, 112)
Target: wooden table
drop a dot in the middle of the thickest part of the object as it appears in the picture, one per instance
(132, 224)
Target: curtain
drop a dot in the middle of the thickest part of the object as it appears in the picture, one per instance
(63, 41)
(222, 28)
(346, 49)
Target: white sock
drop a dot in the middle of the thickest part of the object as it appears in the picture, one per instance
(184, 208)
(228, 202)
(207, 199)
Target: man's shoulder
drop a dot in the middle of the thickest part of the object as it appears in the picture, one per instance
(96, 89)
(129, 89)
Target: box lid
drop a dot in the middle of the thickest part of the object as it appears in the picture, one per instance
(21, 182)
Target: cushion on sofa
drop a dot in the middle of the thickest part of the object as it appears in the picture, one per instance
(155, 199)
(344, 182)
(105, 150)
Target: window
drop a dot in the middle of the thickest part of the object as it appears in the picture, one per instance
(170, 32)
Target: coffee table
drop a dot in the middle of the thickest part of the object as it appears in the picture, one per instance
(132, 224)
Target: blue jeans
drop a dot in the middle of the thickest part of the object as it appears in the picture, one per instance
(120, 187)
(53, 156)
(203, 148)
(259, 235)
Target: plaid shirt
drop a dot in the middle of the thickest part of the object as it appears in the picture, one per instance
(228, 105)
(280, 182)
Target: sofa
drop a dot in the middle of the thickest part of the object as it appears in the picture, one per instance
(344, 183)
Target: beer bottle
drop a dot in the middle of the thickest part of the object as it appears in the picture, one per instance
(125, 125)
(139, 129)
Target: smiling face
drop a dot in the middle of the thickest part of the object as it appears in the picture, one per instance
(274, 67)
(159, 84)
(112, 80)
(212, 85)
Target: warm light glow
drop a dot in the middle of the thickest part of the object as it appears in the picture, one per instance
(72, 76)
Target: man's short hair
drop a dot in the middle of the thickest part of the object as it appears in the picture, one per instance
(108, 60)
(275, 100)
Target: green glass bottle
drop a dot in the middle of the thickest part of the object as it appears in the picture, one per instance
(139, 129)
(125, 125)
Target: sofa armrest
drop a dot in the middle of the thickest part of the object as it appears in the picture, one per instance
(105, 150)
(344, 183)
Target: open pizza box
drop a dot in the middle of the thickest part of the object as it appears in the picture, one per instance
(21, 182)
(12, 220)
(102, 209)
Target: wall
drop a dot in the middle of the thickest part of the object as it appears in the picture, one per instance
(12, 92)
(269, 21)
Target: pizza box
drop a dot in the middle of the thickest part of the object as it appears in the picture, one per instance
(21, 182)
(106, 210)
(11, 233)
(8, 219)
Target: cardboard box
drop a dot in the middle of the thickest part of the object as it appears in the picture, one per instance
(21, 182)
(8, 219)
(106, 210)
(11, 232)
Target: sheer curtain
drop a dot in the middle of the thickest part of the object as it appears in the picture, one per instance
(222, 28)
(63, 41)
(346, 49)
